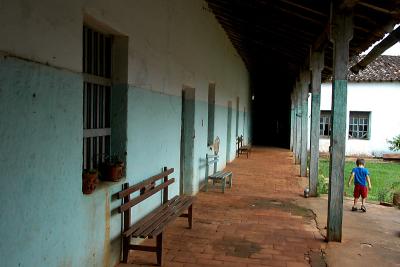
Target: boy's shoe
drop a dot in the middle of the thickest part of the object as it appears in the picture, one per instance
(353, 209)
(363, 208)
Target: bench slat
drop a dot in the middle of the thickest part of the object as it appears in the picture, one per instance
(146, 230)
(140, 231)
(142, 184)
(140, 198)
(148, 217)
(220, 174)
(173, 215)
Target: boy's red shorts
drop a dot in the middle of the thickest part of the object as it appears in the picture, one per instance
(360, 190)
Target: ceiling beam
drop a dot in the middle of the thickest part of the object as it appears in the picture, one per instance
(309, 9)
(377, 8)
(381, 47)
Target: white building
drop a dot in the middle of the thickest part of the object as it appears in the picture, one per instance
(373, 108)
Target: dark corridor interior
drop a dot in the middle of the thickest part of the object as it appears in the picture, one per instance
(271, 108)
(275, 38)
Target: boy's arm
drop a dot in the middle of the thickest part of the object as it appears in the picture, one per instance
(351, 178)
(369, 182)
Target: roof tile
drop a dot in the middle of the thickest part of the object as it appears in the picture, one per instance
(383, 68)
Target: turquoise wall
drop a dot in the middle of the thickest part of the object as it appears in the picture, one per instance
(45, 218)
(154, 126)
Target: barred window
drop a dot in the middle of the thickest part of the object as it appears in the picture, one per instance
(325, 123)
(96, 97)
(359, 125)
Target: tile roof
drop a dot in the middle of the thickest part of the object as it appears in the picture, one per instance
(384, 68)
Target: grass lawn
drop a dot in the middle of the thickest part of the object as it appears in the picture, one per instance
(384, 176)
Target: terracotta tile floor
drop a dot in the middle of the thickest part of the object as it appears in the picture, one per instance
(255, 223)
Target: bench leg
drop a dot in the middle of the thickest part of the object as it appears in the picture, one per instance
(125, 249)
(190, 216)
(230, 181)
(223, 184)
(159, 249)
(206, 184)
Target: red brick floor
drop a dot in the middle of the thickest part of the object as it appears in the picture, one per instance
(253, 224)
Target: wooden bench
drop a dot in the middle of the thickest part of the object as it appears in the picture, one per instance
(391, 156)
(242, 149)
(153, 224)
(217, 177)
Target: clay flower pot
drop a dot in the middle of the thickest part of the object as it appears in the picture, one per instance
(89, 181)
(115, 172)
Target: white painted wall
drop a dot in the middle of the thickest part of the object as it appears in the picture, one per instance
(379, 98)
(170, 42)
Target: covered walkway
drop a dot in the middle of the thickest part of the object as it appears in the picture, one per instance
(256, 223)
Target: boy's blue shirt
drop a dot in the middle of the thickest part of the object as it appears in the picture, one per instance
(360, 175)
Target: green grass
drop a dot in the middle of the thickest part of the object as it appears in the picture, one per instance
(385, 179)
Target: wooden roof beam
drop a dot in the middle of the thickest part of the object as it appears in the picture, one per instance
(347, 4)
(293, 13)
(287, 53)
(254, 15)
(381, 47)
(239, 40)
(376, 8)
(309, 9)
(324, 37)
(266, 35)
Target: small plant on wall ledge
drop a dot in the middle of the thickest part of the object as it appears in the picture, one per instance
(89, 181)
(394, 143)
(113, 169)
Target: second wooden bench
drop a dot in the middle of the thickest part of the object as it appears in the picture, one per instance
(222, 177)
(242, 149)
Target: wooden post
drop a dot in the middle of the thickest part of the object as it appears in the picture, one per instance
(127, 224)
(316, 66)
(294, 122)
(159, 249)
(341, 34)
(165, 190)
(291, 121)
(298, 123)
(304, 82)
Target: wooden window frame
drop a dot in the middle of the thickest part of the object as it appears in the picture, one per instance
(325, 119)
(359, 119)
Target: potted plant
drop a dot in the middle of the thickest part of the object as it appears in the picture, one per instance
(114, 170)
(89, 181)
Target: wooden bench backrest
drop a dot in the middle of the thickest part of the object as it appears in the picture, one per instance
(147, 188)
(211, 159)
(239, 141)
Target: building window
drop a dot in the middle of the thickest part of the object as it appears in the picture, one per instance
(359, 125)
(325, 123)
(97, 49)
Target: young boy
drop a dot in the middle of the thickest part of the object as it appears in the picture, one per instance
(360, 175)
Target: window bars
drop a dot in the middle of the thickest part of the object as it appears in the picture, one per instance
(96, 97)
(325, 124)
(359, 125)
